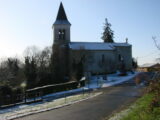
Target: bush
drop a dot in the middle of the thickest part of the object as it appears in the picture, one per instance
(147, 107)
(142, 77)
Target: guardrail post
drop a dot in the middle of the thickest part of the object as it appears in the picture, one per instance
(83, 91)
(24, 96)
(65, 98)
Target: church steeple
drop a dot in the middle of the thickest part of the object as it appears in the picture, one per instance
(61, 16)
(61, 13)
(61, 27)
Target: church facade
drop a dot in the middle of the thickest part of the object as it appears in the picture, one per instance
(96, 57)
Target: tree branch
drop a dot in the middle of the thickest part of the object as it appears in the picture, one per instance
(155, 42)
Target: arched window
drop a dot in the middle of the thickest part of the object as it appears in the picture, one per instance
(120, 58)
(103, 58)
(61, 34)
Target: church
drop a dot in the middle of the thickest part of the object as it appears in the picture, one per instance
(95, 57)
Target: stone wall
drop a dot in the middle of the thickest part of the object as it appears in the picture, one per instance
(96, 62)
(126, 53)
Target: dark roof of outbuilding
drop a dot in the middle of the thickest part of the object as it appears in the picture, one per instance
(147, 65)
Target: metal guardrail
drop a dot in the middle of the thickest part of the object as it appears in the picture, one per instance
(36, 94)
(21, 98)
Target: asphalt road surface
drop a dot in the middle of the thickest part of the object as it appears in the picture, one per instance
(111, 101)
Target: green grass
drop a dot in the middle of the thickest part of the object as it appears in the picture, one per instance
(141, 110)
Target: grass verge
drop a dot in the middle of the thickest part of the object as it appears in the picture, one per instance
(142, 110)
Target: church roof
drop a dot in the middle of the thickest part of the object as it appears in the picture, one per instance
(120, 44)
(61, 16)
(95, 45)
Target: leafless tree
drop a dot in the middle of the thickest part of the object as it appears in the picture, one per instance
(157, 46)
(156, 43)
(41, 57)
(31, 51)
(44, 56)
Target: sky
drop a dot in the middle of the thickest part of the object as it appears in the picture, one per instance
(26, 23)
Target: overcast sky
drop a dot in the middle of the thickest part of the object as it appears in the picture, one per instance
(28, 22)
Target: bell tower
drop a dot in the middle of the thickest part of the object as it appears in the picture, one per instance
(61, 27)
(60, 50)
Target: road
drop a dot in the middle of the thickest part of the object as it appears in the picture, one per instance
(112, 100)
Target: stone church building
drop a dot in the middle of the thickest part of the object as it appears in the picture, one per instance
(97, 57)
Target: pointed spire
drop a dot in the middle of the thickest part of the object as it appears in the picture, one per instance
(61, 13)
(61, 16)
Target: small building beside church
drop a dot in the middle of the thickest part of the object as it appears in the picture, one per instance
(149, 67)
(96, 57)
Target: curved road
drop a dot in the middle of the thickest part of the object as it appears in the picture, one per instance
(112, 100)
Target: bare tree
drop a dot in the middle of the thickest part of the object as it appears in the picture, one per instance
(41, 57)
(157, 46)
(37, 63)
(155, 42)
(45, 57)
(32, 52)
